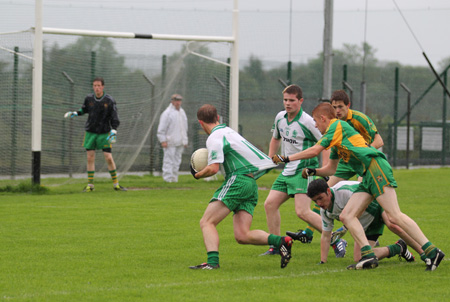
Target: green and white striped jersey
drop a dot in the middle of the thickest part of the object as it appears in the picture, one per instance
(298, 135)
(238, 156)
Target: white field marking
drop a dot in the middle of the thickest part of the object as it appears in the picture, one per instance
(165, 285)
(160, 285)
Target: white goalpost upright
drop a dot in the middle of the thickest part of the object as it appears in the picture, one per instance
(37, 74)
(36, 112)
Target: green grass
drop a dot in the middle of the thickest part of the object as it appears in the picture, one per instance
(65, 245)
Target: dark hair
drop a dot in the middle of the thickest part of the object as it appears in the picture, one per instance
(294, 89)
(324, 109)
(207, 114)
(99, 79)
(317, 187)
(340, 95)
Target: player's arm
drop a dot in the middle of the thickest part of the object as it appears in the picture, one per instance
(308, 153)
(377, 141)
(209, 170)
(115, 122)
(325, 157)
(324, 245)
(329, 169)
(274, 146)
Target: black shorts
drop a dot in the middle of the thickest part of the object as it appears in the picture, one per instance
(107, 150)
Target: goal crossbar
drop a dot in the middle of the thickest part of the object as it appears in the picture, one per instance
(130, 35)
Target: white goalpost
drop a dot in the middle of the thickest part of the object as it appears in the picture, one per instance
(232, 81)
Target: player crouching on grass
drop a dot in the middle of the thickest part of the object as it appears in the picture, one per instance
(378, 182)
(243, 163)
(333, 200)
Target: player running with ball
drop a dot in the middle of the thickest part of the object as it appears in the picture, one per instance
(243, 164)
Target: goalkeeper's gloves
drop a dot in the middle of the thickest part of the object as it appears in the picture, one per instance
(70, 114)
(308, 172)
(112, 137)
(277, 158)
(193, 172)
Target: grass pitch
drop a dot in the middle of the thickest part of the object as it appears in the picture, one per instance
(65, 245)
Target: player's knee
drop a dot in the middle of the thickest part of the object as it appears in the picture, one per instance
(343, 217)
(270, 205)
(240, 239)
(203, 223)
(302, 214)
(394, 228)
(109, 160)
(396, 219)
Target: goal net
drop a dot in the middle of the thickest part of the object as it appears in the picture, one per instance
(139, 74)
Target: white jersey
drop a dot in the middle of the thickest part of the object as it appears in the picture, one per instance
(173, 127)
(341, 193)
(298, 135)
(238, 156)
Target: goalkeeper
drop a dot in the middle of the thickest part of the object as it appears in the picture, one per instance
(101, 130)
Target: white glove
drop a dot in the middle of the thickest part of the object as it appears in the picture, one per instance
(112, 136)
(70, 114)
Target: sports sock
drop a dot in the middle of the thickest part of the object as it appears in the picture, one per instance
(394, 249)
(429, 249)
(423, 257)
(113, 174)
(90, 177)
(274, 241)
(366, 252)
(309, 231)
(213, 258)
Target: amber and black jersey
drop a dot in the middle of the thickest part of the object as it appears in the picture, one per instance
(102, 113)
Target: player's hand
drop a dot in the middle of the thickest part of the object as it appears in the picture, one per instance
(70, 114)
(193, 172)
(112, 137)
(308, 172)
(277, 158)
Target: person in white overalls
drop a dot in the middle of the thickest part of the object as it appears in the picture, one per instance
(172, 134)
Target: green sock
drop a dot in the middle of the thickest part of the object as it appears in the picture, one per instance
(394, 249)
(274, 241)
(113, 174)
(213, 258)
(91, 177)
(429, 249)
(366, 251)
(423, 257)
(309, 231)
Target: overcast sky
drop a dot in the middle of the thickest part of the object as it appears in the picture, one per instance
(382, 27)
